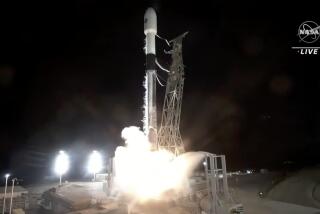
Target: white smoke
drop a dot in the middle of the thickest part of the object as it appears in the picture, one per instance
(145, 174)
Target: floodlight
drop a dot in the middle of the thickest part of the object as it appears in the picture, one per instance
(61, 165)
(95, 164)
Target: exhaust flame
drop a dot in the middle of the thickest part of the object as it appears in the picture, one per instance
(146, 174)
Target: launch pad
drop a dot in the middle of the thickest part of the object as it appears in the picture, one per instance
(207, 192)
(152, 173)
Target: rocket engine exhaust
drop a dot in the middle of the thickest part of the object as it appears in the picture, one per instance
(144, 174)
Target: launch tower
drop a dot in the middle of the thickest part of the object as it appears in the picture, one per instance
(169, 136)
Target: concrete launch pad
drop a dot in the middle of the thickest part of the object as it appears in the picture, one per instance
(244, 188)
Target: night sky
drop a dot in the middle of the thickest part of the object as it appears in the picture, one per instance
(71, 76)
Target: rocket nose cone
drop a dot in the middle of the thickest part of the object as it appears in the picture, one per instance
(150, 12)
(150, 21)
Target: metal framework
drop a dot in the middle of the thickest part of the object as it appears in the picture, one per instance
(169, 136)
(217, 182)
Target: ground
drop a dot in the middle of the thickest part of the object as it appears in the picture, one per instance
(246, 192)
(244, 189)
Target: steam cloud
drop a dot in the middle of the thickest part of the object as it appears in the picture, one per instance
(145, 174)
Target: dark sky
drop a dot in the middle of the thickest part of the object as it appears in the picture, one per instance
(71, 77)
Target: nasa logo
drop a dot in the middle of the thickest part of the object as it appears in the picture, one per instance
(308, 32)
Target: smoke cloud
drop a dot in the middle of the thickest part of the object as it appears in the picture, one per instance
(151, 175)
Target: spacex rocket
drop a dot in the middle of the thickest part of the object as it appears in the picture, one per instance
(150, 117)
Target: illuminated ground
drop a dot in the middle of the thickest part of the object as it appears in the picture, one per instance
(247, 190)
(244, 189)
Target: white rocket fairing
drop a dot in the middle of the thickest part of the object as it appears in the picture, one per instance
(150, 30)
(150, 120)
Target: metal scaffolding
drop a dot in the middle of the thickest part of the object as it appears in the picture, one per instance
(169, 136)
(217, 182)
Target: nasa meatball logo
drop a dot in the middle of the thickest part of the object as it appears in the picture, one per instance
(308, 34)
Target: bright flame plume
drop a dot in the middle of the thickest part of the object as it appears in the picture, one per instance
(146, 174)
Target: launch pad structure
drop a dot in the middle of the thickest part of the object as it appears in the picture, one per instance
(213, 187)
(208, 191)
(169, 137)
(216, 197)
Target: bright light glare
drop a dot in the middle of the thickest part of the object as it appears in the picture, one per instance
(147, 174)
(95, 162)
(7, 175)
(61, 165)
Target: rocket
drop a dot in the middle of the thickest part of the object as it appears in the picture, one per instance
(150, 117)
